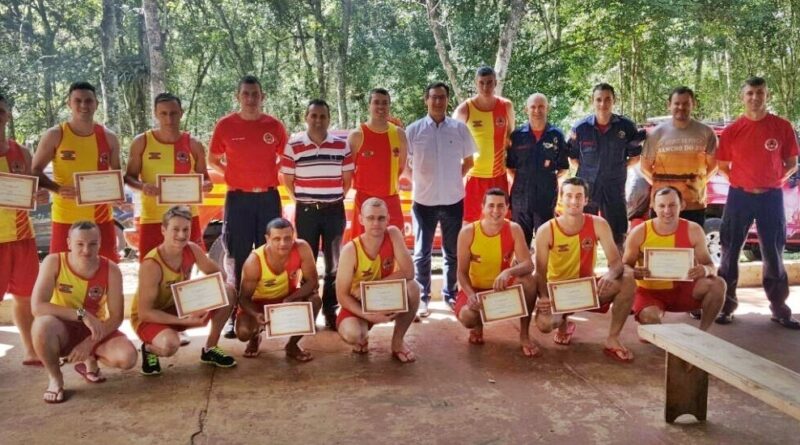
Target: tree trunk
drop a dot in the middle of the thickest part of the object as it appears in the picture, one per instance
(435, 24)
(319, 47)
(202, 71)
(341, 66)
(49, 54)
(155, 45)
(108, 59)
(508, 35)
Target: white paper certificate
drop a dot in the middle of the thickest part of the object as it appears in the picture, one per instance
(99, 187)
(199, 295)
(18, 191)
(668, 263)
(380, 297)
(502, 305)
(179, 189)
(575, 295)
(289, 319)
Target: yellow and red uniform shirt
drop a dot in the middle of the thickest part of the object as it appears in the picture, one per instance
(490, 131)
(371, 269)
(76, 154)
(169, 276)
(161, 158)
(489, 255)
(572, 256)
(274, 285)
(378, 162)
(678, 239)
(15, 225)
(74, 291)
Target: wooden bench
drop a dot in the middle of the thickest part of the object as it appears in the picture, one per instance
(687, 386)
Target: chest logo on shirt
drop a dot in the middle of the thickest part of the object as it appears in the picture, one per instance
(95, 292)
(396, 152)
(507, 257)
(269, 139)
(270, 283)
(477, 124)
(65, 288)
(67, 155)
(366, 273)
(387, 263)
(366, 153)
(771, 144)
(168, 284)
(16, 167)
(587, 244)
(182, 157)
(154, 156)
(562, 248)
(500, 122)
(103, 158)
(621, 134)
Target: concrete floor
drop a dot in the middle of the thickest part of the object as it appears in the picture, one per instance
(455, 393)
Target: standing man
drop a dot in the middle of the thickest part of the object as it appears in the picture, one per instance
(441, 150)
(680, 153)
(602, 146)
(490, 119)
(165, 150)
(77, 145)
(536, 158)
(17, 243)
(245, 147)
(379, 150)
(758, 153)
(376, 255)
(317, 170)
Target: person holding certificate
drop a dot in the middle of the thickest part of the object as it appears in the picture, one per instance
(78, 305)
(667, 230)
(17, 243)
(165, 150)
(566, 249)
(153, 312)
(78, 146)
(486, 250)
(283, 270)
(377, 255)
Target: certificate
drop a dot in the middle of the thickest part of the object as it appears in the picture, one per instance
(503, 305)
(575, 295)
(179, 189)
(101, 187)
(289, 319)
(18, 191)
(668, 263)
(380, 297)
(199, 295)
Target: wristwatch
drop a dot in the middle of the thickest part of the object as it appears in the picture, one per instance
(81, 313)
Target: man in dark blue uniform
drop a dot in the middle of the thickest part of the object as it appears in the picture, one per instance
(536, 157)
(602, 146)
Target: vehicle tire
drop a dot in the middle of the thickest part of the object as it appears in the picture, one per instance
(752, 253)
(711, 227)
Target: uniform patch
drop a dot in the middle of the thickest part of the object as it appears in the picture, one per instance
(269, 138)
(95, 292)
(387, 263)
(621, 134)
(17, 167)
(366, 273)
(67, 155)
(563, 248)
(477, 124)
(771, 144)
(182, 157)
(154, 155)
(366, 153)
(104, 158)
(587, 243)
(270, 283)
(65, 288)
(500, 122)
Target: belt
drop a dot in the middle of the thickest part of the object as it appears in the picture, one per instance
(756, 191)
(321, 205)
(253, 190)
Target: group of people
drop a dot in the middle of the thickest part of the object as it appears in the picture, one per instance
(459, 167)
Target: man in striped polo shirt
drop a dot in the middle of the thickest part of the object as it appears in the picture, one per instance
(317, 168)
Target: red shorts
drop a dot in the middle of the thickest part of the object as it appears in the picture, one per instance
(677, 299)
(77, 332)
(150, 236)
(147, 332)
(344, 314)
(395, 213)
(108, 239)
(20, 265)
(462, 300)
(474, 190)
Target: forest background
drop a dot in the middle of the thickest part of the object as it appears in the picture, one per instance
(340, 49)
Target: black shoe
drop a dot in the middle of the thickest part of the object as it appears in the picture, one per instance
(217, 357)
(229, 331)
(696, 314)
(150, 364)
(787, 322)
(330, 320)
(724, 318)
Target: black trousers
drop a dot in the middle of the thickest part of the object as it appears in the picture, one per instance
(323, 223)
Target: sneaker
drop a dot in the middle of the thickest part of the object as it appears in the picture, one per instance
(185, 340)
(217, 357)
(229, 331)
(423, 310)
(696, 314)
(150, 364)
(724, 318)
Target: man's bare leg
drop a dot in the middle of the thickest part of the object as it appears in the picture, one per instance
(355, 331)
(118, 353)
(48, 334)
(403, 321)
(529, 348)
(711, 292)
(621, 294)
(165, 344)
(23, 318)
(220, 317)
(248, 330)
(294, 350)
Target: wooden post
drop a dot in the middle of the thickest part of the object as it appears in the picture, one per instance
(687, 390)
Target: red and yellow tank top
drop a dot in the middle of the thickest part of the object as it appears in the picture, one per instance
(489, 255)
(161, 158)
(490, 131)
(371, 269)
(572, 256)
(169, 276)
(15, 224)
(76, 154)
(677, 239)
(276, 285)
(378, 162)
(74, 291)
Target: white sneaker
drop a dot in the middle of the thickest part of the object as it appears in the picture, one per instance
(423, 309)
(185, 340)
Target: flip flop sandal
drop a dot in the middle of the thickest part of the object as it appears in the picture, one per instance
(618, 354)
(34, 362)
(90, 376)
(533, 350)
(302, 356)
(58, 396)
(565, 338)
